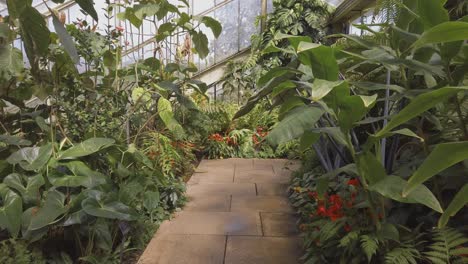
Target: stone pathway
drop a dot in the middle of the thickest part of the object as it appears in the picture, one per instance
(238, 213)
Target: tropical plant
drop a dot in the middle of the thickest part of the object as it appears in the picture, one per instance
(362, 127)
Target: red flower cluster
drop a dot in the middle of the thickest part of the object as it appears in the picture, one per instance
(353, 182)
(260, 133)
(216, 137)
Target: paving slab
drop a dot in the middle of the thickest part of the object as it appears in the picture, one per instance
(237, 212)
(184, 249)
(259, 176)
(212, 203)
(209, 189)
(272, 189)
(279, 224)
(213, 223)
(213, 177)
(263, 250)
(260, 204)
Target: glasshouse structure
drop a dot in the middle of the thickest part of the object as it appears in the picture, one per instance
(234, 131)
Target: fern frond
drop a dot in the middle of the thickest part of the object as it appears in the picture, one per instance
(448, 246)
(369, 244)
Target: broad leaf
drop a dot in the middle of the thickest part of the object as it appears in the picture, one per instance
(11, 62)
(458, 202)
(370, 168)
(88, 7)
(30, 192)
(95, 205)
(49, 211)
(31, 159)
(320, 88)
(11, 209)
(200, 42)
(419, 105)
(213, 24)
(167, 116)
(443, 156)
(86, 148)
(295, 124)
(392, 187)
(67, 41)
(442, 33)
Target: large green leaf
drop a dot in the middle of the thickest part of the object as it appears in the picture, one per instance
(432, 12)
(146, 10)
(35, 33)
(419, 105)
(67, 41)
(95, 205)
(458, 202)
(370, 168)
(32, 158)
(392, 187)
(295, 124)
(86, 148)
(213, 24)
(200, 42)
(320, 88)
(88, 7)
(167, 116)
(443, 156)
(30, 192)
(11, 61)
(321, 59)
(10, 210)
(81, 175)
(442, 33)
(49, 211)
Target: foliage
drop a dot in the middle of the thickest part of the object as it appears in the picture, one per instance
(384, 126)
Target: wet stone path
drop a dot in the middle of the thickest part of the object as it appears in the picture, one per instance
(238, 213)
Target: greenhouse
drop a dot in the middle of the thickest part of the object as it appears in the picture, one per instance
(234, 131)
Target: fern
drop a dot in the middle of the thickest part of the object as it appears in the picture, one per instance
(349, 238)
(447, 247)
(369, 244)
(402, 255)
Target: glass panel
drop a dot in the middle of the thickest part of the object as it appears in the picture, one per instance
(250, 10)
(228, 42)
(199, 6)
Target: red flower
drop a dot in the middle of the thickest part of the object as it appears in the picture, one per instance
(321, 211)
(313, 195)
(347, 228)
(353, 182)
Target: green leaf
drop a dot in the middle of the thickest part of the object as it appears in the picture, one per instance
(295, 124)
(14, 140)
(31, 159)
(392, 187)
(95, 205)
(146, 10)
(35, 33)
(370, 86)
(11, 62)
(10, 211)
(151, 200)
(88, 7)
(458, 202)
(442, 33)
(167, 116)
(443, 156)
(81, 175)
(308, 139)
(419, 105)
(67, 41)
(320, 88)
(86, 148)
(321, 59)
(30, 192)
(213, 24)
(432, 12)
(370, 168)
(200, 42)
(49, 211)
